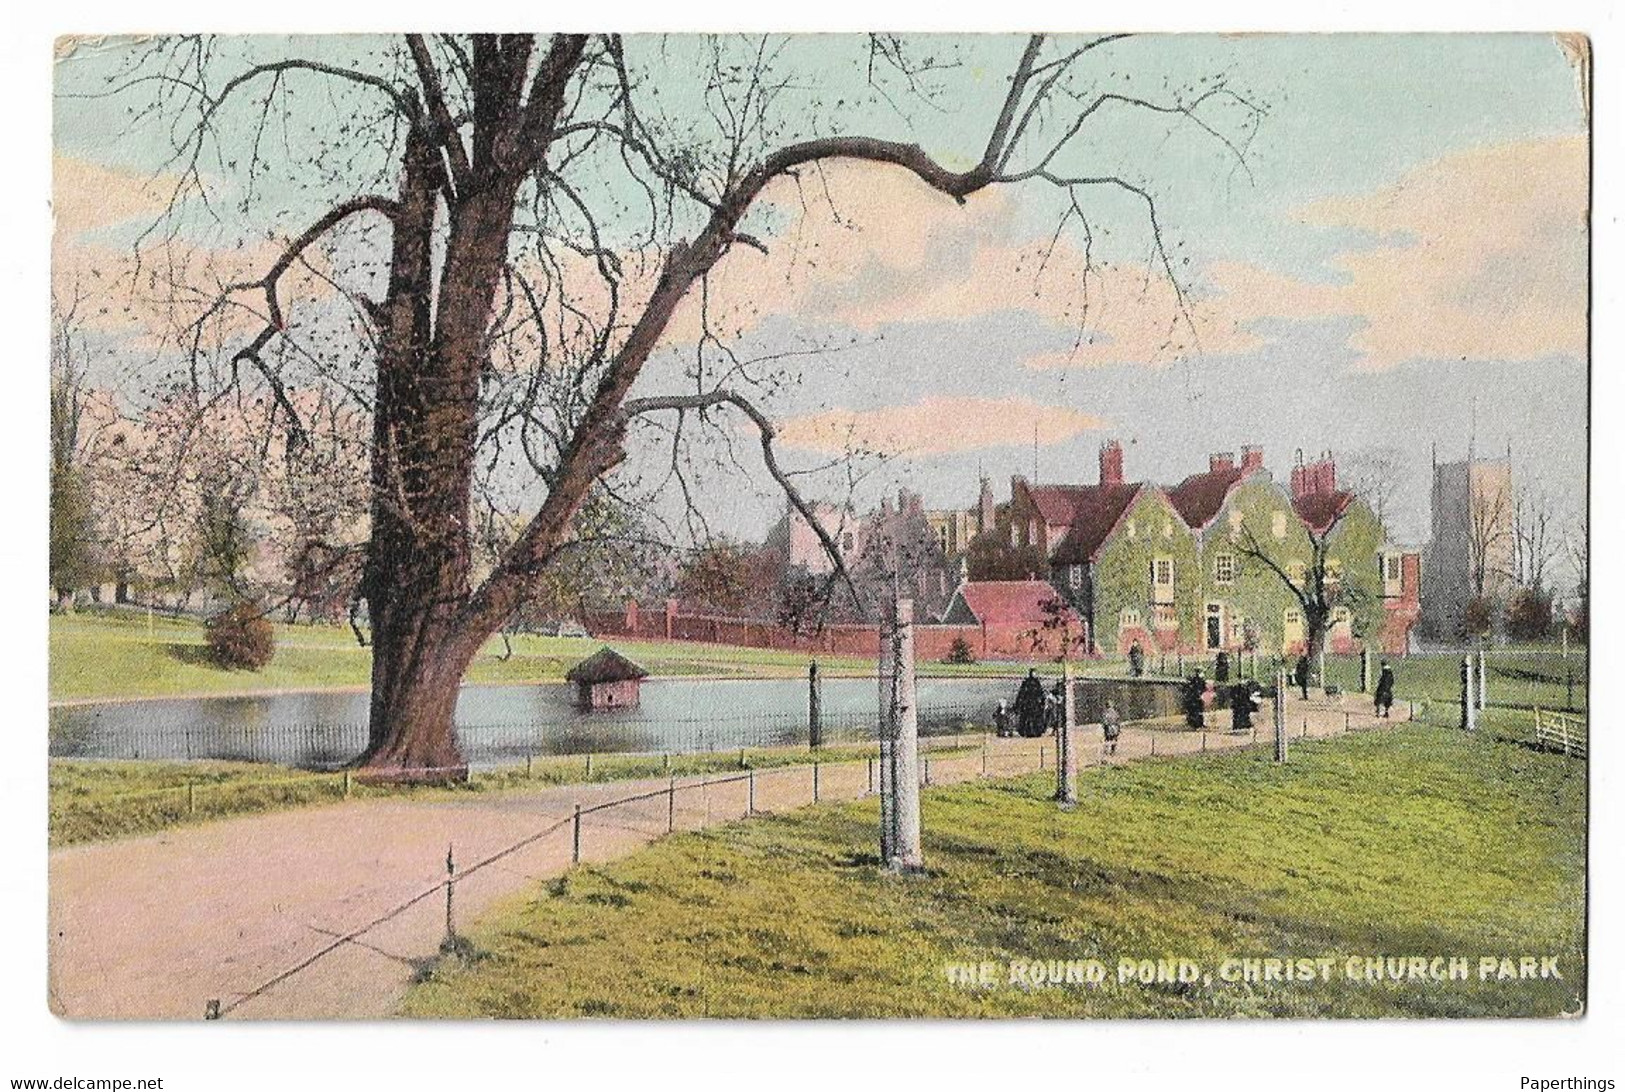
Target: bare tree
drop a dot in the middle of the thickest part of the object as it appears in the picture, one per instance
(1319, 588)
(1375, 474)
(1534, 538)
(516, 305)
(1490, 540)
(73, 559)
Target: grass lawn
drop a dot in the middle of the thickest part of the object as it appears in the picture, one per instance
(1413, 842)
(114, 656)
(1523, 678)
(93, 800)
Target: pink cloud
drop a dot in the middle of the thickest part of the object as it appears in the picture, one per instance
(1480, 255)
(866, 245)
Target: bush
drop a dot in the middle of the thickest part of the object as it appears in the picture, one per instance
(1480, 616)
(959, 652)
(240, 638)
(1529, 617)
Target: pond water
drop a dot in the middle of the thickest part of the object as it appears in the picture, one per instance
(499, 724)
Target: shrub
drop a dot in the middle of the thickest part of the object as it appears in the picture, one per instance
(1529, 616)
(959, 652)
(240, 638)
(1478, 619)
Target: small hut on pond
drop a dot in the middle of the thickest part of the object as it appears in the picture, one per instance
(606, 680)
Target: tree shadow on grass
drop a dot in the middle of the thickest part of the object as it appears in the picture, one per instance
(192, 655)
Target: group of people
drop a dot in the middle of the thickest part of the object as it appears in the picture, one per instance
(1037, 711)
(1246, 694)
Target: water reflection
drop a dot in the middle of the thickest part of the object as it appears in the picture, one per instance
(504, 723)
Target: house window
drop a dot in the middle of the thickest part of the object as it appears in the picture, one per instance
(1013, 534)
(1292, 618)
(1334, 570)
(1235, 523)
(1297, 572)
(1167, 528)
(1162, 580)
(1130, 528)
(1278, 525)
(1130, 619)
(1074, 576)
(1224, 568)
(1166, 618)
(1393, 583)
(846, 542)
(1342, 617)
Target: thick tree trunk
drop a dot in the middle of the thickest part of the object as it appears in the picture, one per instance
(417, 668)
(416, 576)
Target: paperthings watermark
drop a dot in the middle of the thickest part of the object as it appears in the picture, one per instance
(1566, 1084)
(1133, 971)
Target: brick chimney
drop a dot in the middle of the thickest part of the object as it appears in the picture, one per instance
(1300, 477)
(1221, 461)
(1327, 474)
(1111, 463)
(1252, 458)
(1319, 476)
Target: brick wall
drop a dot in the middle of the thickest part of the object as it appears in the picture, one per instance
(931, 642)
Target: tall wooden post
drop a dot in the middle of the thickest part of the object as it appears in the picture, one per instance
(1280, 714)
(815, 702)
(1365, 670)
(1469, 719)
(1483, 681)
(887, 733)
(906, 853)
(1066, 765)
(451, 878)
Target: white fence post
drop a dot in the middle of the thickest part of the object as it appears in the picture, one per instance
(1280, 715)
(907, 855)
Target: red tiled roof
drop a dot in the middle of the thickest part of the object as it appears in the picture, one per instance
(1008, 602)
(1319, 510)
(1098, 509)
(1057, 504)
(1200, 496)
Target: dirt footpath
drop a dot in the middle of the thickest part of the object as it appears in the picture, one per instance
(269, 915)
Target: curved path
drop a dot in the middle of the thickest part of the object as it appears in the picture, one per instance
(156, 927)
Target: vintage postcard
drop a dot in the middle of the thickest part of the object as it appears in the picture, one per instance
(555, 526)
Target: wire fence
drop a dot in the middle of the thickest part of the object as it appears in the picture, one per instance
(596, 829)
(88, 807)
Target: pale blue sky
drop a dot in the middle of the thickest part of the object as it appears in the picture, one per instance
(1348, 117)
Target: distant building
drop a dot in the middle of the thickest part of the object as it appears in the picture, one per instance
(955, 528)
(607, 680)
(1166, 568)
(797, 546)
(892, 548)
(1471, 551)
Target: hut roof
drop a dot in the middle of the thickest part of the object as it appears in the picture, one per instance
(605, 665)
(1006, 602)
